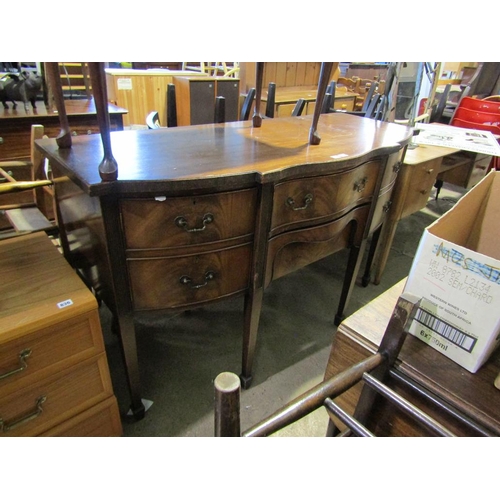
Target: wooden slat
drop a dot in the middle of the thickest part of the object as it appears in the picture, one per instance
(28, 219)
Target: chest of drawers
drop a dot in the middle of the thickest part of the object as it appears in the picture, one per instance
(206, 212)
(54, 377)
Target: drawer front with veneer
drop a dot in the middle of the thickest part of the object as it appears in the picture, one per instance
(394, 165)
(172, 222)
(317, 199)
(382, 208)
(184, 281)
(296, 249)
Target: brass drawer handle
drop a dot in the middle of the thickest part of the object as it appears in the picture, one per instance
(290, 202)
(397, 167)
(186, 280)
(5, 427)
(182, 223)
(360, 185)
(22, 362)
(387, 206)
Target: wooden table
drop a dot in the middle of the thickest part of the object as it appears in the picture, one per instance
(15, 124)
(474, 395)
(421, 167)
(287, 97)
(207, 212)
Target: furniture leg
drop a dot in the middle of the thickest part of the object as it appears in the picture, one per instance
(122, 307)
(257, 117)
(54, 79)
(353, 264)
(108, 169)
(365, 280)
(324, 76)
(387, 237)
(129, 350)
(253, 306)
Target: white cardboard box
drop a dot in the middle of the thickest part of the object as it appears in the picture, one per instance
(456, 271)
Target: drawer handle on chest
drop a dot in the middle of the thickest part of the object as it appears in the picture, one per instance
(5, 427)
(182, 223)
(186, 280)
(307, 201)
(22, 361)
(360, 185)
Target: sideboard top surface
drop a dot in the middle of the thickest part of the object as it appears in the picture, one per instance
(227, 154)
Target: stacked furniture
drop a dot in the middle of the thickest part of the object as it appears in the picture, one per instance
(193, 215)
(54, 376)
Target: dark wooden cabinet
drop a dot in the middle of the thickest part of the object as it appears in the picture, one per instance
(195, 99)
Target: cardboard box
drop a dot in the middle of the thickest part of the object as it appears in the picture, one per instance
(456, 271)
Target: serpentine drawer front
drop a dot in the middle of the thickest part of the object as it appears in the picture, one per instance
(318, 199)
(295, 249)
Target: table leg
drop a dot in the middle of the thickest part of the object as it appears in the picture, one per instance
(386, 237)
(253, 306)
(353, 265)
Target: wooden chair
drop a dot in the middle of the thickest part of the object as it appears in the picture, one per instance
(299, 107)
(153, 120)
(271, 100)
(373, 371)
(246, 108)
(220, 110)
(28, 215)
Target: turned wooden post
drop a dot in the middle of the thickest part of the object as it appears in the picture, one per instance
(227, 405)
(108, 168)
(54, 80)
(257, 117)
(324, 76)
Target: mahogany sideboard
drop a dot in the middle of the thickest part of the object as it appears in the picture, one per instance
(471, 399)
(54, 376)
(206, 212)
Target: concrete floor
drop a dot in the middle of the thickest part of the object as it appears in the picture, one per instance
(181, 354)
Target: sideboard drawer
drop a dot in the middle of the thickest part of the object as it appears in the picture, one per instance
(316, 199)
(52, 400)
(295, 249)
(165, 282)
(49, 350)
(171, 222)
(394, 164)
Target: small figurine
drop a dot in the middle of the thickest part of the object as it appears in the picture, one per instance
(23, 87)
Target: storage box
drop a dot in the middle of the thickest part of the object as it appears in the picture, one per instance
(456, 271)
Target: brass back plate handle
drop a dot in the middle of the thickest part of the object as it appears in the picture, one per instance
(183, 223)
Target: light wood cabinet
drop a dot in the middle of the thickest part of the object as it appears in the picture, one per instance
(53, 369)
(140, 92)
